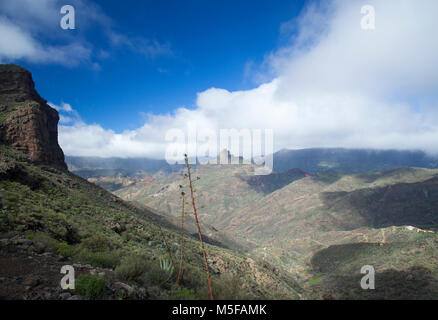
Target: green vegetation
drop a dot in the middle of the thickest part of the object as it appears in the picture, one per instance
(132, 268)
(161, 274)
(183, 294)
(74, 218)
(330, 223)
(92, 287)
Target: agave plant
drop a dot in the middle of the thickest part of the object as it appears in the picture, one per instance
(166, 265)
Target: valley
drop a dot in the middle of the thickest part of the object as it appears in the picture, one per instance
(321, 226)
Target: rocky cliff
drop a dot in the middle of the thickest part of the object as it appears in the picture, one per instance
(27, 122)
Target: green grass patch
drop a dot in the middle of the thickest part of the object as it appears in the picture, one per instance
(91, 287)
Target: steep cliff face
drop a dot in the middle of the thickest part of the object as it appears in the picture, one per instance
(27, 122)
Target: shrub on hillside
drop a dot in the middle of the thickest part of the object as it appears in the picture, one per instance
(64, 249)
(160, 274)
(193, 277)
(92, 287)
(108, 259)
(96, 243)
(181, 293)
(227, 287)
(132, 267)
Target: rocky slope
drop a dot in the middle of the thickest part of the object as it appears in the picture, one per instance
(27, 122)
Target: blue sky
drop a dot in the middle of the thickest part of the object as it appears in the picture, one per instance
(208, 44)
(133, 71)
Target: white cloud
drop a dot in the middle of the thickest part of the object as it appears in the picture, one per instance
(36, 15)
(30, 30)
(23, 24)
(14, 43)
(66, 107)
(65, 119)
(334, 85)
(93, 140)
(66, 113)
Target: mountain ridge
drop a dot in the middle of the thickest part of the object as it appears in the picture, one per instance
(343, 160)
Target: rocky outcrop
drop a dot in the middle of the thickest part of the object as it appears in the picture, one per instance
(27, 122)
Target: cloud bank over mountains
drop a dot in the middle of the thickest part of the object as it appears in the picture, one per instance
(332, 85)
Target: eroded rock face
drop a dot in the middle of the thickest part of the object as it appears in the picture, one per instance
(27, 122)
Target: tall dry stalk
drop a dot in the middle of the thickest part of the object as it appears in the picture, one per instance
(182, 238)
(195, 212)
